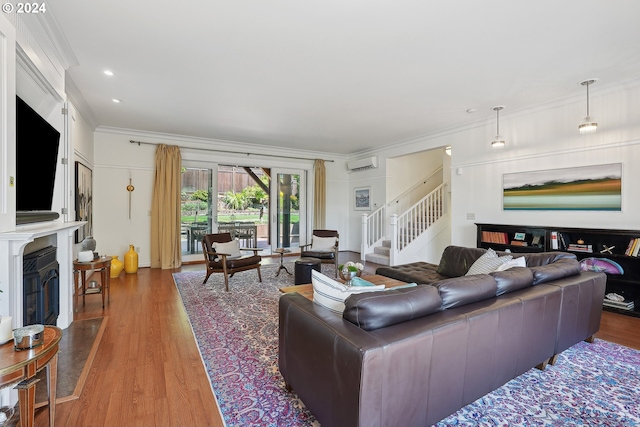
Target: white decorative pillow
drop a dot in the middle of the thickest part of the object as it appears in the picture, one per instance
(331, 294)
(515, 262)
(232, 248)
(322, 243)
(487, 263)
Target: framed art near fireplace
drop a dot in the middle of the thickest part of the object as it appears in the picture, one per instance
(84, 201)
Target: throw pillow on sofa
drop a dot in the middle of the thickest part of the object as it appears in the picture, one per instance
(487, 263)
(515, 262)
(331, 294)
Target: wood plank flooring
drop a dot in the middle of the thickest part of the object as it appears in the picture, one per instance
(148, 370)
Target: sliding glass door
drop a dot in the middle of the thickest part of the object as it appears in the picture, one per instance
(197, 210)
(288, 208)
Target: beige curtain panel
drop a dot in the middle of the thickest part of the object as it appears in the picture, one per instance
(165, 209)
(319, 195)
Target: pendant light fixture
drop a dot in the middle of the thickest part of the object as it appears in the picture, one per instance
(498, 142)
(588, 125)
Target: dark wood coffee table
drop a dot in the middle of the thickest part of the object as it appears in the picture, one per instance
(306, 290)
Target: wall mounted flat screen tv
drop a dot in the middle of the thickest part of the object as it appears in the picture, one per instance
(37, 145)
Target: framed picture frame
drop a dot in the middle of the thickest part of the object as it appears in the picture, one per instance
(586, 188)
(84, 201)
(362, 199)
(519, 236)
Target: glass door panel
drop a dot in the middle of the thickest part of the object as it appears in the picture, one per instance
(196, 210)
(289, 218)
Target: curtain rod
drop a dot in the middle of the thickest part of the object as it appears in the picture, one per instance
(232, 152)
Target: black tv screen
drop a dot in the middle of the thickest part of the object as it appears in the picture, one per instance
(36, 159)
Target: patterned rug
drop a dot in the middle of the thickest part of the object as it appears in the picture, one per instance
(237, 333)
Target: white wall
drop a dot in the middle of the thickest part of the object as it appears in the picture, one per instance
(116, 160)
(543, 138)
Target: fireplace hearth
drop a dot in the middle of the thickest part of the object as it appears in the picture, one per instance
(41, 287)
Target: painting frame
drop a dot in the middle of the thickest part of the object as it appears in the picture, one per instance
(581, 188)
(83, 200)
(362, 198)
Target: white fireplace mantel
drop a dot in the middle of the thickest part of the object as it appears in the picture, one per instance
(12, 246)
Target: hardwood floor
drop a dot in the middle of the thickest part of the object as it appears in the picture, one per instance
(148, 370)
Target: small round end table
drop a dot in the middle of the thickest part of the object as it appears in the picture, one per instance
(282, 251)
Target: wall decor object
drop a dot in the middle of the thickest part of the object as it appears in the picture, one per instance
(593, 188)
(362, 200)
(84, 201)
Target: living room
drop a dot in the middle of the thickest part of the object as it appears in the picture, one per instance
(540, 135)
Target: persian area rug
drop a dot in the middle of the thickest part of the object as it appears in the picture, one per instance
(237, 333)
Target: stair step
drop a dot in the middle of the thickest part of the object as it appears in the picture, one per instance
(378, 259)
(382, 250)
(386, 243)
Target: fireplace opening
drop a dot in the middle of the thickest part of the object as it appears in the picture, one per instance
(41, 287)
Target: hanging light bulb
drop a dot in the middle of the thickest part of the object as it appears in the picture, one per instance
(498, 141)
(588, 125)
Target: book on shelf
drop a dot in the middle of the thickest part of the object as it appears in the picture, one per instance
(554, 240)
(623, 305)
(495, 237)
(519, 243)
(636, 247)
(562, 241)
(575, 247)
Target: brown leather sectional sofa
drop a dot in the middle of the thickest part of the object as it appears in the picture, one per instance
(413, 356)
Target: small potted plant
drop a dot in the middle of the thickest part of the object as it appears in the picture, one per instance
(350, 270)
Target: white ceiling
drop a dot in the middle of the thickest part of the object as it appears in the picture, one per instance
(338, 76)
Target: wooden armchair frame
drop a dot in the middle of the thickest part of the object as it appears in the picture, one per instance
(218, 262)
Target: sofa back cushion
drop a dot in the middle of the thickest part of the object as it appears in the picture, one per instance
(459, 291)
(381, 309)
(512, 279)
(563, 267)
(456, 260)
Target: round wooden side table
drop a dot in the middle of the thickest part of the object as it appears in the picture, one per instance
(103, 265)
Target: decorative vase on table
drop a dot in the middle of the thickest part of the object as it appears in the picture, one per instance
(131, 261)
(116, 267)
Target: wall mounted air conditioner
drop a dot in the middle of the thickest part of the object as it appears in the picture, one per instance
(363, 164)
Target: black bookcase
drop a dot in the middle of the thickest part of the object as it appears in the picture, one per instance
(605, 248)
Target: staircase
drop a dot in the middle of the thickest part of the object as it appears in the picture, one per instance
(411, 228)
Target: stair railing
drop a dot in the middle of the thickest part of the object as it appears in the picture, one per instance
(373, 230)
(407, 227)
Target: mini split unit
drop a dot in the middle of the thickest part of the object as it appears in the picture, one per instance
(363, 164)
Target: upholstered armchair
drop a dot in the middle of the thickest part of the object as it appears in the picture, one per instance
(222, 255)
(324, 246)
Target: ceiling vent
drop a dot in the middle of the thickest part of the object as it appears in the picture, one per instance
(363, 164)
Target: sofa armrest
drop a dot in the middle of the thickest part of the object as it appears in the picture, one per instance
(321, 356)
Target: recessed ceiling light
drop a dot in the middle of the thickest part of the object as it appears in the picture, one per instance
(116, 100)
(108, 72)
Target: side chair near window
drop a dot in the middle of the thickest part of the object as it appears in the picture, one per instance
(222, 255)
(324, 246)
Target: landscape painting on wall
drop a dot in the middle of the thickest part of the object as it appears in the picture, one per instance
(593, 188)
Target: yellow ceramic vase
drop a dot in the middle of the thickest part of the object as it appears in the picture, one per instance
(116, 266)
(131, 261)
